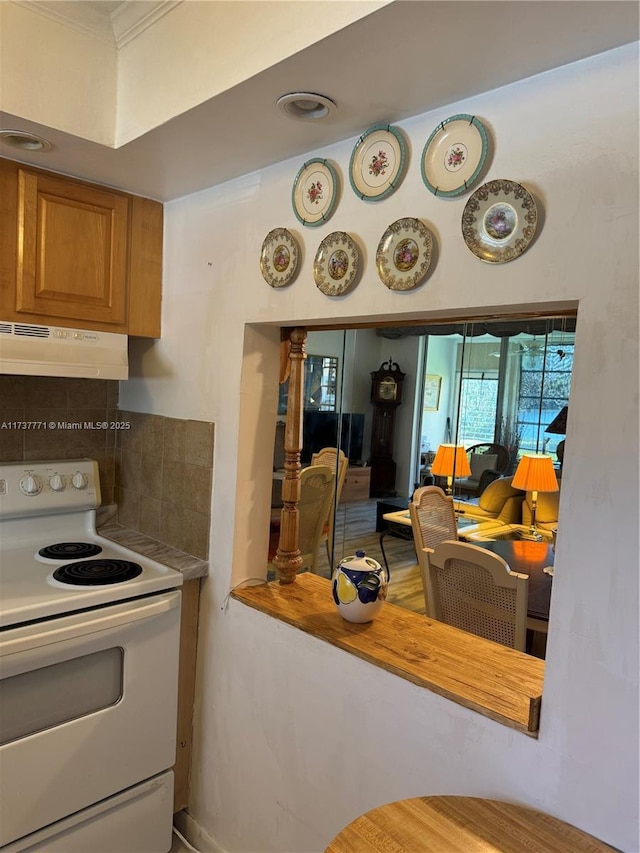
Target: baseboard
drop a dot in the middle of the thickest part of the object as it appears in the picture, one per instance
(195, 834)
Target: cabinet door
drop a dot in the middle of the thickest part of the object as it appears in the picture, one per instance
(72, 250)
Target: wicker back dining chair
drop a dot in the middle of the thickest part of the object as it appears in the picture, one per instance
(433, 520)
(339, 463)
(317, 484)
(473, 589)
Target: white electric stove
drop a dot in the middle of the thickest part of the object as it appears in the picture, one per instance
(89, 642)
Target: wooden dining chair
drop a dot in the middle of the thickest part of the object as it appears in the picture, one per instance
(433, 520)
(339, 463)
(317, 483)
(474, 589)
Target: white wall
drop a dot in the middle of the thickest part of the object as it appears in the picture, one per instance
(294, 738)
(56, 76)
(202, 40)
(441, 361)
(77, 81)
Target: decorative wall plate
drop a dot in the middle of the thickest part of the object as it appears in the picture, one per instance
(377, 162)
(315, 192)
(279, 257)
(454, 155)
(335, 264)
(499, 221)
(404, 254)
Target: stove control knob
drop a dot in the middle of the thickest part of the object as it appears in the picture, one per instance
(57, 483)
(30, 485)
(78, 481)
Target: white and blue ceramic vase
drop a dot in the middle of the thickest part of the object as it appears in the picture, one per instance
(359, 587)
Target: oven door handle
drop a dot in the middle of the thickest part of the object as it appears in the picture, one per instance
(36, 636)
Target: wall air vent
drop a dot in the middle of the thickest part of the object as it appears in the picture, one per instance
(31, 331)
(30, 350)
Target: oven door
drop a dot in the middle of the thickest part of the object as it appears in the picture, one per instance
(87, 708)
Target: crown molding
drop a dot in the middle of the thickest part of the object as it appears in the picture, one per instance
(132, 18)
(128, 20)
(80, 17)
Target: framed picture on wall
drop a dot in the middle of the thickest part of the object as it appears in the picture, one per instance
(432, 385)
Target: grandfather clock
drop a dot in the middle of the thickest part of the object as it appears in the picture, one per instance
(386, 396)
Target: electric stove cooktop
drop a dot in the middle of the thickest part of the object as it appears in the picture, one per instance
(52, 560)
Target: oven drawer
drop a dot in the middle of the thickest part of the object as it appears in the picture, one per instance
(87, 709)
(136, 821)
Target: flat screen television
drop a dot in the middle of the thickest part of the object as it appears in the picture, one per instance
(320, 429)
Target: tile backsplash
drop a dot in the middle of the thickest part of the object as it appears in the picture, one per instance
(163, 479)
(157, 469)
(43, 417)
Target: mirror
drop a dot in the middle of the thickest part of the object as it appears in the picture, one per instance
(320, 385)
(486, 385)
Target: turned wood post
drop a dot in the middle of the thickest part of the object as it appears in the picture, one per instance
(288, 560)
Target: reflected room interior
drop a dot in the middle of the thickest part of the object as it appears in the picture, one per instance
(497, 389)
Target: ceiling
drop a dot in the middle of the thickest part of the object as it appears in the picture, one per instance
(409, 57)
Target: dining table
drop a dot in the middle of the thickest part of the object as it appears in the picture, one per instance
(452, 824)
(532, 558)
(526, 556)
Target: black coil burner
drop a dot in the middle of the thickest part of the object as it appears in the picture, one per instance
(97, 572)
(70, 550)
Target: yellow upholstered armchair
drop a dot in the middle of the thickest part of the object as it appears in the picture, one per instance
(499, 503)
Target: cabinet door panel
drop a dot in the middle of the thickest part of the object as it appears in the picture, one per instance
(72, 244)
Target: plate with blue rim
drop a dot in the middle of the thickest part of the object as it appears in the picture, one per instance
(378, 162)
(454, 155)
(315, 192)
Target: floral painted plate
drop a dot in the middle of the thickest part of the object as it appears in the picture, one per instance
(454, 155)
(335, 264)
(279, 257)
(377, 162)
(404, 254)
(499, 221)
(315, 191)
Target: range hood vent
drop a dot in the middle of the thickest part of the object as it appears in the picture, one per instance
(31, 350)
(31, 331)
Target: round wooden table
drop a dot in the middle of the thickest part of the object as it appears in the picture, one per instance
(460, 825)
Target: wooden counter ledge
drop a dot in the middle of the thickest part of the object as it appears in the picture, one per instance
(501, 683)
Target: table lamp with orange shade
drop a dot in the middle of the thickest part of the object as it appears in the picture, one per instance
(451, 461)
(535, 473)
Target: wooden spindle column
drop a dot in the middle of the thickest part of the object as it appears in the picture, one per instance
(288, 560)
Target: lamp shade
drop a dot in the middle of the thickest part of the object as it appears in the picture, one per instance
(535, 473)
(558, 425)
(451, 461)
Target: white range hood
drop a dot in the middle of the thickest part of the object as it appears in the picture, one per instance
(30, 350)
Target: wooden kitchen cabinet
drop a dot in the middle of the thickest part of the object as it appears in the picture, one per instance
(78, 254)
